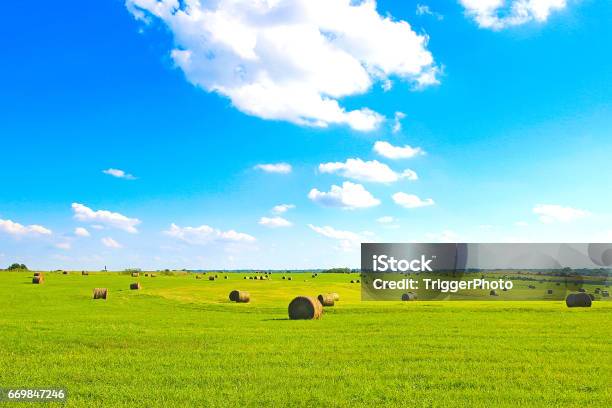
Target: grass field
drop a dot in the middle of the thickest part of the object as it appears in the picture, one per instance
(179, 342)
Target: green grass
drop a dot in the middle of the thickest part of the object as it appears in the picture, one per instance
(179, 342)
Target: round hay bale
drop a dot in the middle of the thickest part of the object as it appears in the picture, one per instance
(289, 278)
(326, 299)
(135, 286)
(283, 277)
(37, 280)
(147, 275)
(336, 296)
(239, 296)
(245, 277)
(493, 293)
(352, 281)
(305, 308)
(358, 281)
(65, 273)
(592, 296)
(531, 287)
(597, 291)
(582, 290)
(225, 277)
(100, 293)
(211, 278)
(135, 274)
(549, 292)
(84, 273)
(216, 276)
(153, 275)
(578, 300)
(605, 293)
(406, 297)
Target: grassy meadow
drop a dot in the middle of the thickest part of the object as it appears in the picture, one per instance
(180, 342)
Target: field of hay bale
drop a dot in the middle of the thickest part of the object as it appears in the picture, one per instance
(179, 341)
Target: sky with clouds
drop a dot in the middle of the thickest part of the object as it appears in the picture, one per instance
(283, 133)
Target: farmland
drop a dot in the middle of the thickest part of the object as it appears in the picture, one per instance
(179, 342)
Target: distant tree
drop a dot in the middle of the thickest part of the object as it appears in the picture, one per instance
(16, 266)
(337, 270)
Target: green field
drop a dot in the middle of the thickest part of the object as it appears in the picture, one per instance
(179, 342)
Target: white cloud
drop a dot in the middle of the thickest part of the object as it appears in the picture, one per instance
(425, 10)
(274, 222)
(119, 174)
(347, 240)
(500, 14)
(349, 196)
(115, 220)
(372, 171)
(282, 208)
(550, 213)
(63, 246)
(397, 121)
(521, 224)
(81, 232)
(291, 60)
(389, 151)
(205, 234)
(444, 236)
(281, 168)
(387, 219)
(110, 243)
(18, 230)
(411, 200)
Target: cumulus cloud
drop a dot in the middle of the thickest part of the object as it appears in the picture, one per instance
(411, 200)
(550, 213)
(65, 246)
(81, 232)
(19, 230)
(389, 151)
(282, 208)
(425, 10)
(372, 171)
(111, 219)
(500, 14)
(205, 234)
(291, 60)
(347, 240)
(110, 243)
(274, 222)
(349, 196)
(387, 219)
(119, 174)
(281, 168)
(397, 121)
(521, 224)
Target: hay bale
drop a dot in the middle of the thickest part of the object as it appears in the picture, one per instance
(84, 273)
(493, 293)
(305, 308)
(37, 280)
(135, 274)
(326, 299)
(406, 297)
(336, 296)
(198, 277)
(245, 277)
(135, 286)
(65, 273)
(100, 293)
(358, 281)
(216, 276)
(211, 278)
(38, 273)
(147, 275)
(592, 296)
(578, 300)
(549, 292)
(597, 291)
(225, 277)
(352, 281)
(582, 290)
(239, 296)
(283, 277)
(153, 275)
(289, 278)
(605, 293)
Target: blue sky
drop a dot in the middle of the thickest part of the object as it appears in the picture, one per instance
(512, 113)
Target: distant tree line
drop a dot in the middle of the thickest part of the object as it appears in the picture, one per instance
(17, 267)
